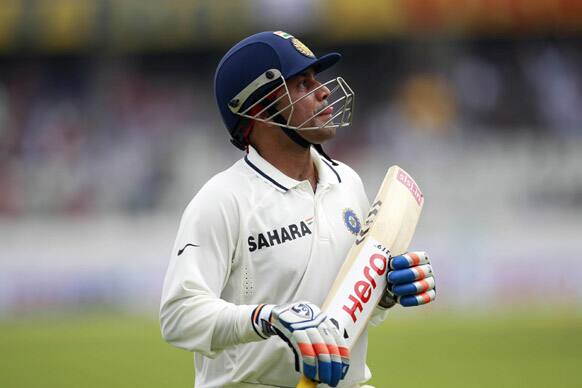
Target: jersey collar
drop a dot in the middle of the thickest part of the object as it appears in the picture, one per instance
(328, 174)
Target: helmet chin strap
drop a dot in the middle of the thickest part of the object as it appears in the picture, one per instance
(300, 140)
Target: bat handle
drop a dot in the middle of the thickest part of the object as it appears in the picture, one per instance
(304, 382)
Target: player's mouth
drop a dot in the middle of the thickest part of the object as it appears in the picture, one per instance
(326, 112)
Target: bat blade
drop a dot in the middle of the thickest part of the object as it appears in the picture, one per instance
(387, 231)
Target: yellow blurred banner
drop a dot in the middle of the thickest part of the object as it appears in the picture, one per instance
(371, 19)
(10, 15)
(127, 25)
(63, 24)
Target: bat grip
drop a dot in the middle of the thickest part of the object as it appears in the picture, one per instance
(304, 382)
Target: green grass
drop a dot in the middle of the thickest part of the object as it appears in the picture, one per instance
(515, 350)
(90, 351)
(408, 350)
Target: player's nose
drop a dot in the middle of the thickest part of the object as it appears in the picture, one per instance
(322, 92)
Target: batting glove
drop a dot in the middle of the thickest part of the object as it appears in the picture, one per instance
(410, 281)
(321, 353)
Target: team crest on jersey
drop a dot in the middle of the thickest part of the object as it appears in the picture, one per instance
(302, 48)
(280, 235)
(351, 221)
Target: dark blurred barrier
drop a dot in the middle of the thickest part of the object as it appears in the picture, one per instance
(82, 135)
(154, 25)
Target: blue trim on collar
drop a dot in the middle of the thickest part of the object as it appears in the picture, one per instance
(332, 169)
(280, 186)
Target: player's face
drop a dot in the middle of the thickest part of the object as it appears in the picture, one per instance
(313, 105)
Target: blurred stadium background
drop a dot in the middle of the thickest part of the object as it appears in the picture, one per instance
(108, 127)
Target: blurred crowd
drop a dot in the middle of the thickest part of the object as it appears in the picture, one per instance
(82, 135)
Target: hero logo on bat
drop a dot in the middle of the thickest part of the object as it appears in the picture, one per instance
(362, 290)
(279, 235)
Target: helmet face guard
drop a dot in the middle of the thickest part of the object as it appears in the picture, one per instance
(341, 98)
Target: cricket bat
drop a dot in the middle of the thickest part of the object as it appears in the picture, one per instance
(387, 231)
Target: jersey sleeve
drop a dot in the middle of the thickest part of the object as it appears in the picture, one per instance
(192, 315)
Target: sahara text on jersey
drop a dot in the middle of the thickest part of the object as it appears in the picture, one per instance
(279, 235)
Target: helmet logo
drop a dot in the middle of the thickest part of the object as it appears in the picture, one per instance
(283, 34)
(303, 49)
(299, 46)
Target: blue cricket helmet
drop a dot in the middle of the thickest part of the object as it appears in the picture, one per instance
(252, 57)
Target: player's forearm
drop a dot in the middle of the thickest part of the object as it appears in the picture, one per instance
(206, 324)
(234, 327)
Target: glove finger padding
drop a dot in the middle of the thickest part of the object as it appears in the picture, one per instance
(409, 275)
(408, 260)
(411, 280)
(314, 341)
(322, 354)
(325, 343)
(417, 300)
(303, 347)
(343, 350)
(417, 287)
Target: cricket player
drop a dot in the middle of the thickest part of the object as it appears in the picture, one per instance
(260, 244)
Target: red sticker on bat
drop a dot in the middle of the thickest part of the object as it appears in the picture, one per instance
(411, 185)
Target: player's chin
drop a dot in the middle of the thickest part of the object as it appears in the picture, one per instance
(318, 136)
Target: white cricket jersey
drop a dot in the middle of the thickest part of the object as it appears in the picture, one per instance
(254, 235)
